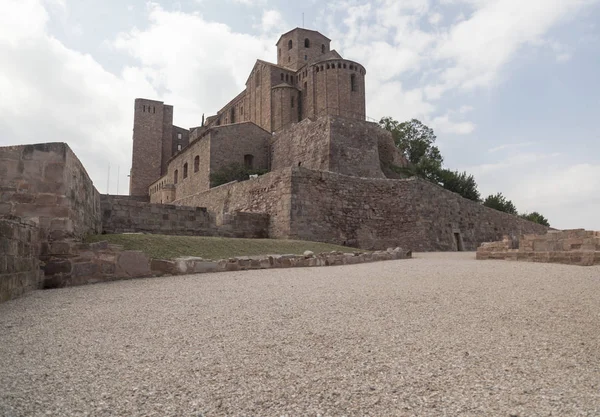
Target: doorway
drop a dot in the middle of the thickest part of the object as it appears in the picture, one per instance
(458, 240)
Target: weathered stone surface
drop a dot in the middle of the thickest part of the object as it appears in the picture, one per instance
(571, 247)
(133, 264)
(19, 257)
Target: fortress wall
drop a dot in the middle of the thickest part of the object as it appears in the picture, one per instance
(124, 215)
(305, 143)
(380, 213)
(19, 251)
(268, 194)
(354, 147)
(47, 182)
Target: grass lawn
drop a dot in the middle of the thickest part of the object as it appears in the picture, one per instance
(170, 247)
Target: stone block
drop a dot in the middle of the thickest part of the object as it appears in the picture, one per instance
(201, 267)
(587, 259)
(84, 269)
(133, 264)
(54, 172)
(57, 266)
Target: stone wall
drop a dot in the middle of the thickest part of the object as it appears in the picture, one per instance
(369, 213)
(48, 182)
(123, 215)
(573, 247)
(305, 143)
(380, 213)
(336, 144)
(19, 257)
(269, 194)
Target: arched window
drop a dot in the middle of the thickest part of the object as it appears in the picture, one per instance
(287, 77)
(352, 82)
(339, 65)
(249, 161)
(323, 48)
(196, 163)
(175, 175)
(306, 43)
(290, 44)
(185, 167)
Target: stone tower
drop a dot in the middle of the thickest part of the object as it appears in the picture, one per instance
(152, 144)
(299, 47)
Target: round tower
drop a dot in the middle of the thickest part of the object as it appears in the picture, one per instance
(334, 87)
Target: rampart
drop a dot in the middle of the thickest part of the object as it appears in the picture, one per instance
(572, 247)
(19, 257)
(121, 214)
(368, 213)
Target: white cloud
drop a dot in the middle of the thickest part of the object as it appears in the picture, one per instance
(272, 20)
(510, 146)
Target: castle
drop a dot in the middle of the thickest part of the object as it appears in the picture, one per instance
(330, 172)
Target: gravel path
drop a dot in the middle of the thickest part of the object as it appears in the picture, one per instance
(439, 335)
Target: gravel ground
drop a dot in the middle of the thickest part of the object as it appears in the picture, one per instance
(439, 335)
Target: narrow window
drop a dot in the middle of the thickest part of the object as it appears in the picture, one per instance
(306, 43)
(242, 110)
(323, 48)
(179, 147)
(144, 108)
(196, 163)
(317, 69)
(289, 58)
(352, 82)
(179, 136)
(248, 161)
(292, 102)
(290, 44)
(287, 77)
(305, 86)
(306, 57)
(175, 175)
(344, 66)
(282, 76)
(232, 115)
(185, 166)
(339, 65)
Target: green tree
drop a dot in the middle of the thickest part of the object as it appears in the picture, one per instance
(501, 203)
(460, 183)
(416, 141)
(536, 218)
(233, 172)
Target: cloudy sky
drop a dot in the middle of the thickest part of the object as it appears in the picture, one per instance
(511, 87)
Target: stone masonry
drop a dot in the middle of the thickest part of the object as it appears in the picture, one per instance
(124, 215)
(572, 247)
(19, 257)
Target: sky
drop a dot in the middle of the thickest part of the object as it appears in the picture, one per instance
(510, 87)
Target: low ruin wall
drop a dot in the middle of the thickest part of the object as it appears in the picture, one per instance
(572, 247)
(19, 257)
(121, 214)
